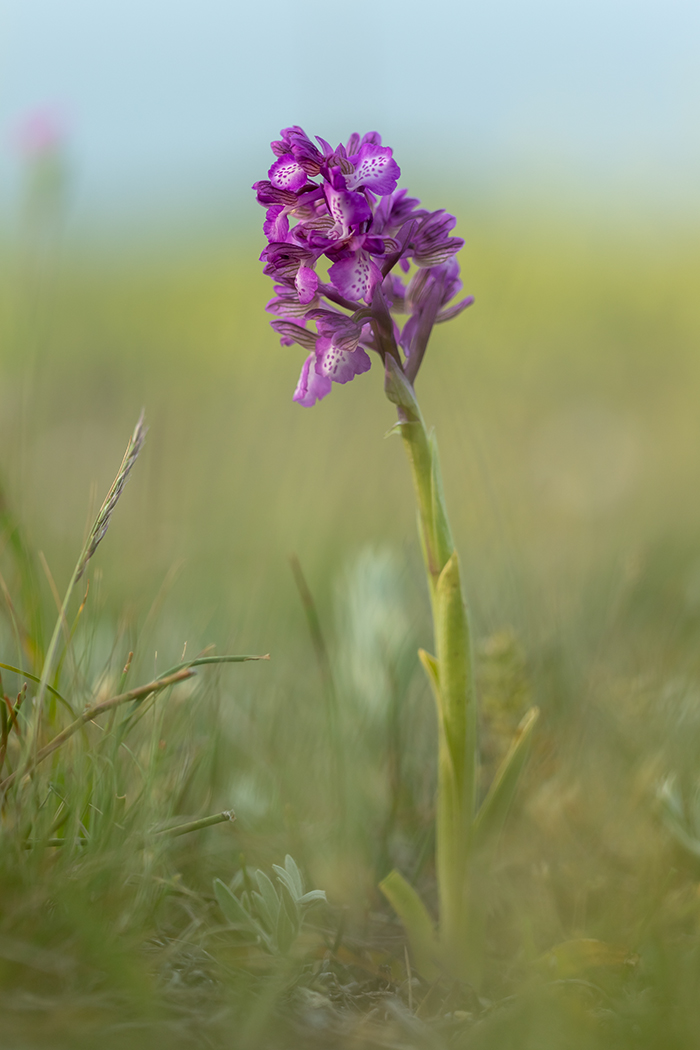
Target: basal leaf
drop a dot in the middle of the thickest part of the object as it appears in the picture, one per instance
(416, 922)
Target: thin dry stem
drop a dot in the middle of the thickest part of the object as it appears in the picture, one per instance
(93, 712)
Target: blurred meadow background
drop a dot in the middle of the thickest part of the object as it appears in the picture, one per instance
(563, 136)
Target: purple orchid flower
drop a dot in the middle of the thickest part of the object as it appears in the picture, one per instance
(343, 205)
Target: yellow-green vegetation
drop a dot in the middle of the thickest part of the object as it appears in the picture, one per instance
(566, 403)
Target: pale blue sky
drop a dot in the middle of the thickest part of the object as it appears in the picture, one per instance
(180, 98)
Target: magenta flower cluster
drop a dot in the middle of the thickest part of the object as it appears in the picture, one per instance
(339, 211)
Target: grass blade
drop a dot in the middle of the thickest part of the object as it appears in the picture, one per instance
(201, 661)
(35, 678)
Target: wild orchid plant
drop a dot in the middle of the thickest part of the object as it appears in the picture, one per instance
(341, 209)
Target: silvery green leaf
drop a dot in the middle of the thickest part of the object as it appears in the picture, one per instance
(290, 876)
(232, 908)
(268, 919)
(312, 895)
(284, 878)
(287, 930)
(269, 897)
(294, 874)
(230, 905)
(293, 910)
(238, 880)
(237, 915)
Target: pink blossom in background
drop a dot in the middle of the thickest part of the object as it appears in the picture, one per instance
(40, 133)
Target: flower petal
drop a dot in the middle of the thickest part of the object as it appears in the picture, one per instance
(440, 254)
(375, 169)
(348, 209)
(432, 244)
(268, 194)
(356, 277)
(276, 225)
(280, 148)
(326, 146)
(311, 386)
(408, 332)
(306, 283)
(353, 144)
(287, 173)
(453, 311)
(286, 303)
(394, 292)
(305, 153)
(374, 245)
(340, 365)
(294, 333)
(341, 329)
(282, 260)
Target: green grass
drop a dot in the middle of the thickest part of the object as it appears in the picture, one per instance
(566, 407)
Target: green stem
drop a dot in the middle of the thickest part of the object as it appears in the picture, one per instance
(461, 834)
(197, 825)
(417, 446)
(451, 676)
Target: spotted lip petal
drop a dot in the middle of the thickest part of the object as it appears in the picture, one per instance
(375, 169)
(306, 283)
(356, 277)
(340, 365)
(348, 209)
(287, 173)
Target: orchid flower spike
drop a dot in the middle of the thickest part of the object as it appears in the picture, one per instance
(343, 205)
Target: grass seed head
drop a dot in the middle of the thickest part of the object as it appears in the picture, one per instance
(101, 524)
